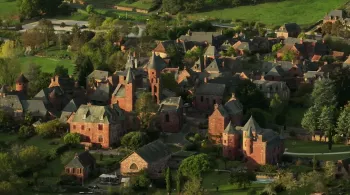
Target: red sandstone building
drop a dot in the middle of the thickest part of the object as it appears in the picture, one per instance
(171, 114)
(81, 166)
(100, 125)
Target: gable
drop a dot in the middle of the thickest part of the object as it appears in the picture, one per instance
(133, 158)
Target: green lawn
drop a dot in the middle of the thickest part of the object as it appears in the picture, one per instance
(303, 12)
(44, 144)
(294, 116)
(8, 8)
(142, 4)
(313, 147)
(6, 137)
(47, 64)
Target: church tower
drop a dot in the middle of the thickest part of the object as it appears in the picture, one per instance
(155, 65)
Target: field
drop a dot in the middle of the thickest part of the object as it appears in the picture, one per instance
(303, 12)
(47, 64)
(143, 4)
(8, 8)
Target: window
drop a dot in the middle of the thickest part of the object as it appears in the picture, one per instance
(225, 141)
(74, 127)
(133, 166)
(100, 138)
(100, 126)
(167, 118)
(67, 170)
(73, 170)
(202, 98)
(82, 127)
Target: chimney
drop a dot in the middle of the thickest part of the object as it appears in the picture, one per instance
(233, 96)
(134, 54)
(205, 80)
(216, 106)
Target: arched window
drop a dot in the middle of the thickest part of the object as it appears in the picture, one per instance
(133, 166)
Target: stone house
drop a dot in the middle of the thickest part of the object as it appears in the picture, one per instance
(99, 125)
(152, 158)
(270, 88)
(288, 30)
(53, 98)
(209, 38)
(231, 112)
(207, 95)
(81, 166)
(171, 114)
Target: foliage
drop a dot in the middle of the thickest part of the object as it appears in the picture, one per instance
(195, 166)
(178, 181)
(83, 70)
(38, 79)
(28, 8)
(72, 138)
(141, 181)
(250, 96)
(329, 170)
(194, 187)
(310, 119)
(277, 107)
(168, 180)
(95, 21)
(51, 128)
(66, 157)
(277, 47)
(9, 71)
(31, 157)
(327, 28)
(288, 55)
(90, 9)
(323, 93)
(134, 140)
(343, 123)
(341, 79)
(8, 50)
(169, 82)
(26, 132)
(45, 28)
(241, 178)
(61, 71)
(145, 109)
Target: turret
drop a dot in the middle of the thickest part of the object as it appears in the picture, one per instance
(22, 84)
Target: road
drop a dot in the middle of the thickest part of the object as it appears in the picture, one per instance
(311, 154)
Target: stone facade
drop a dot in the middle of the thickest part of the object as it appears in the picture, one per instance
(133, 164)
(217, 123)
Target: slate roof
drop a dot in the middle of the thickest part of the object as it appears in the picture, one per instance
(156, 62)
(201, 37)
(119, 91)
(334, 13)
(251, 125)
(83, 160)
(94, 114)
(214, 66)
(291, 27)
(44, 94)
(11, 102)
(35, 107)
(98, 74)
(130, 77)
(199, 64)
(170, 104)
(183, 154)
(211, 89)
(313, 74)
(268, 86)
(230, 129)
(22, 79)
(292, 41)
(211, 51)
(276, 71)
(101, 93)
(234, 106)
(153, 151)
(222, 111)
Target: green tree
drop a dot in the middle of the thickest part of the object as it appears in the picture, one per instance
(311, 118)
(302, 35)
(277, 107)
(51, 128)
(38, 79)
(314, 163)
(145, 109)
(326, 123)
(72, 138)
(172, 6)
(31, 157)
(323, 93)
(140, 182)
(288, 56)
(9, 71)
(95, 21)
(178, 181)
(117, 61)
(90, 9)
(85, 68)
(61, 71)
(45, 27)
(329, 170)
(343, 123)
(168, 180)
(28, 8)
(195, 166)
(327, 28)
(169, 82)
(277, 47)
(134, 140)
(241, 178)
(8, 50)
(194, 187)
(66, 157)
(337, 26)
(250, 96)
(26, 131)
(6, 166)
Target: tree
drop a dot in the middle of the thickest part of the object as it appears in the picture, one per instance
(194, 187)
(141, 181)
(277, 47)
(241, 178)
(117, 61)
(9, 71)
(38, 79)
(31, 157)
(72, 138)
(168, 180)
(66, 157)
(341, 80)
(32, 38)
(6, 166)
(90, 9)
(61, 71)
(169, 82)
(178, 181)
(250, 96)
(172, 6)
(28, 8)
(252, 191)
(45, 27)
(327, 28)
(26, 131)
(326, 123)
(51, 128)
(277, 106)
(270, 189)
(337, 26)
(343, 123)
(85, 69)
(195, 166)
(134, 140)
(311, 118)
(323, 93)
(95, 21)
(329, 170)
(314, 163)
(8, 50)
(145, 109)
(288, 55)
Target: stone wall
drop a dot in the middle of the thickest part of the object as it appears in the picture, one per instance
(208, 102)
(175, 121)
(132, 159)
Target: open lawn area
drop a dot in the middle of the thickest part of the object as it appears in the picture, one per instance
(44, 144)
(47, 64)
(313, 147)
(8, 8)
(141, 4)
(303, 12)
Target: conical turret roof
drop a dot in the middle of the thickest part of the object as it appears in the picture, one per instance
(22, 79)
(156, 62)
(129, 76)
(230, 129)
(251, 125)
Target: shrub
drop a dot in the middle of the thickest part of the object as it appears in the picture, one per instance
(26, 132)
(338, 139)
(140, 182)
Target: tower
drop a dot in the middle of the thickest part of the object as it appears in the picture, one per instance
(22, 84)
(248, 141)
(129, 90)
(230, 142)
(155, 65)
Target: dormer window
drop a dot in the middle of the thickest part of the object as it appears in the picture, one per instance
(84, 116)
(101, 117)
